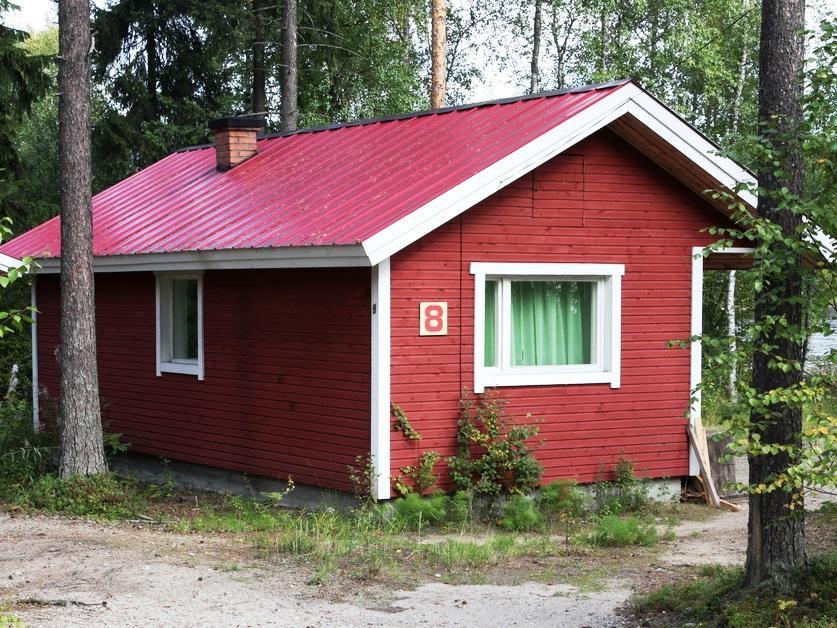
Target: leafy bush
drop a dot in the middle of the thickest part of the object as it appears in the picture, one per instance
(612, 531)
(416, 512)
(492, 455)
(421, 475)
(521, 515)
(363, 477)
(102, 496)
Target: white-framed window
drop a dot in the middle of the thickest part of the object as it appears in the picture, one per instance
(180, 324)
(541, 324)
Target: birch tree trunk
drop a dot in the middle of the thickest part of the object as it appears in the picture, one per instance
(438, 43)
(290, 69)
(776, 540)
(82, 450)
(534, 75)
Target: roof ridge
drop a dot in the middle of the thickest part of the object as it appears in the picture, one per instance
(428, 112)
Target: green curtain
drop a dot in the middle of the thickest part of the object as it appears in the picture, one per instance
(552, 322)
(490, 323)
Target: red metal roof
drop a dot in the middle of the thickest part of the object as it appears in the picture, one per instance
(332, 186)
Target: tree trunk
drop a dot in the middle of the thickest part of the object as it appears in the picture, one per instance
(438, 43)
(290, 70)
(259, 80)
(534, 75)
(152, 69)
(82, 450)
(733, 344)
(776, 539)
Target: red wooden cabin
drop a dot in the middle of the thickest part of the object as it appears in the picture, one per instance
(262, 303)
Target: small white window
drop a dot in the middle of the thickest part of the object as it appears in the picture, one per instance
(180, 324)
(541, 324)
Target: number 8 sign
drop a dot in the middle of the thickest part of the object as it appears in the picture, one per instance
(433, 318)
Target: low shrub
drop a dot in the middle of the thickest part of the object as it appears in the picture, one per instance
(415, 512)
(494, 455)
(613, 531)
(520, 514)
(561, 497)
(103, 496)
(718, 598)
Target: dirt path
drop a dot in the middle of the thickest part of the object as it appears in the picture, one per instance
(124, 576)
(150, 578)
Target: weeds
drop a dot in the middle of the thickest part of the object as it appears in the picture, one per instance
(521, 515)
(718, 598)
(612, 531)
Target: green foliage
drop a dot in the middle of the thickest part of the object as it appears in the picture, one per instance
(416, 512)
(420, 475)
(461, 507)
(628, 493)
(718, 599)
(520, 514)
(402, 423)
(493, 454)
(104, 496)
(561, 496)
(363, 477)
(25, 455)
(613, 531)
(113, 443)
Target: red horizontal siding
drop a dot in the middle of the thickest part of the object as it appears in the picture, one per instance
(286, 365)
(603, 203)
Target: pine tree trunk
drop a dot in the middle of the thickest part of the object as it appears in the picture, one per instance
(438, 44)
(82, 450)
(534, 74)
(290, 69)
(776, 540)
(259, 74)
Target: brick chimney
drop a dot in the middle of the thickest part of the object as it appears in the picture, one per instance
(235, 139)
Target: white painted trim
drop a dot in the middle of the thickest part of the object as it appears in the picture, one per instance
(36, 397)
(7, 263)
(238, 259)
(690, 143)
(626, 99)
(195, 368)
(606, 370)
(696, 348)
(380, 403)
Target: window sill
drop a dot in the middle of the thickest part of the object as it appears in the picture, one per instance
(182, 368)
(490, 380)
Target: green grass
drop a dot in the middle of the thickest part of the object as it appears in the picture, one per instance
(717, 598)
(613, 531)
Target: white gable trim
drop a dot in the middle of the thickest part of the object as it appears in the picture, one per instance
(7, 263)
(627, 99)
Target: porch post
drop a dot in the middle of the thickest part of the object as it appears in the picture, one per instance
(380, 446)
(36, 418)
(696, 358)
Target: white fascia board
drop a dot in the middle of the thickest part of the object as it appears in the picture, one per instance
(7, 262)
(239, 259)
(627, 99)
(689, 142)
(547, 269)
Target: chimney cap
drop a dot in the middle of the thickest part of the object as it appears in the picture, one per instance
(237, 122)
